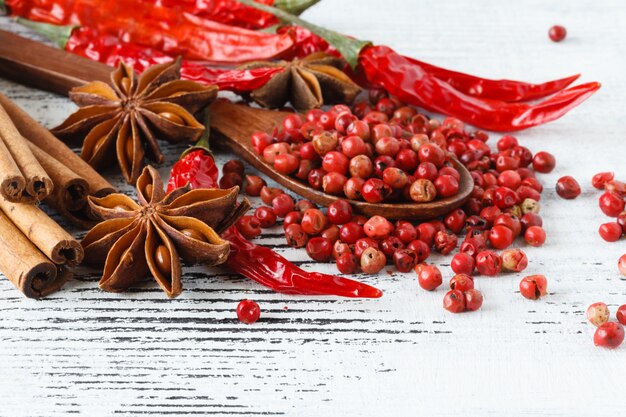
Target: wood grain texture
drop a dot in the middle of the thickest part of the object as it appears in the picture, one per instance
(87, 352)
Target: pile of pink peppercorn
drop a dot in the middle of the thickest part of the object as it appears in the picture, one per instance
(384, 151)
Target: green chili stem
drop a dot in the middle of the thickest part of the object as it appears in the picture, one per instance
(295, 7)
(349, 48)
(57, 34)
(203, 142)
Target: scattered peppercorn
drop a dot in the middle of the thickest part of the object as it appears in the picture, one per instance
(567, 187)
(598, 314)
(248, 311)
(533, 286)
(557, 33)
(609, 335)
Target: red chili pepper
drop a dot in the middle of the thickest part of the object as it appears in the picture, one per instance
(410, 82)
(196, 165)
(109, 50)
(505, 90)
(196, 168)
(268, 268)
(159, 27)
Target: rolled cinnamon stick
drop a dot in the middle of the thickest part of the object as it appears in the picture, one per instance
(51, 239)
(40, 136)
(12, 182)
(25, 266)
(70, 189)
(69, 197)
(38, 183)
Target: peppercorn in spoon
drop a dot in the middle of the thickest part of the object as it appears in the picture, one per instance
(234, 124)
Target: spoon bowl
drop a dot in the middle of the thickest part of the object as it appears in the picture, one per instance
(233, 124)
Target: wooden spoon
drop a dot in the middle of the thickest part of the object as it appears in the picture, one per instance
(232, 125)
(55, 70)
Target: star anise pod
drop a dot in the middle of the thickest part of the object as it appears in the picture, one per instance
(128, 116)
(152, 235)
(307, 83)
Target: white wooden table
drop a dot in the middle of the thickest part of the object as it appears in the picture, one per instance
(89, 352)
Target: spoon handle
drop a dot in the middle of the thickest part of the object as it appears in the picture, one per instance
(51, 69)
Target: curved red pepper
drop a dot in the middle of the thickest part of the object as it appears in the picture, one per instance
(308, 42)
(411, 83)
(268, 268)
(196, 168)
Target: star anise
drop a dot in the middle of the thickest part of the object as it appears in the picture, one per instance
(152, 236)
(307, 83)
(132, 113)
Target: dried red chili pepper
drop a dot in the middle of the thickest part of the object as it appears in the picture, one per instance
(159, 27)
(196, 166)
(109, 50)
(268, 268)
(410, 82)
(505, 90)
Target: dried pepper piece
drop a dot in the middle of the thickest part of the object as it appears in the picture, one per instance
(411, 83)
(196, 167)
(307, 83)
(153, 235)
(118, 120)
(402, 78)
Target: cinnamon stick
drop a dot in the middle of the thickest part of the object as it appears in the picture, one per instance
(38, 184)
(69, 197)
(12, 182)
(51, 239)
(40, 136)
(25, 266)
(70, 189)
